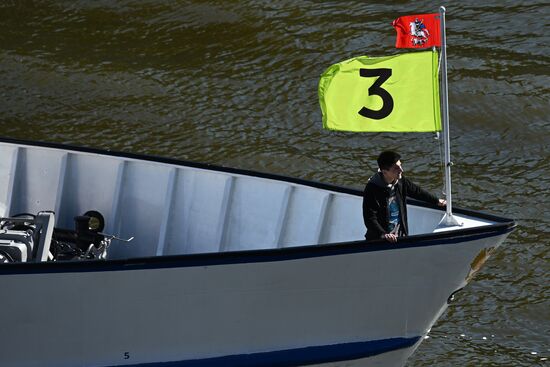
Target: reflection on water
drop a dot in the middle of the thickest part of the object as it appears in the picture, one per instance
(235, 83)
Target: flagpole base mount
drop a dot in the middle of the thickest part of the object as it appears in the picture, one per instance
(449, 220)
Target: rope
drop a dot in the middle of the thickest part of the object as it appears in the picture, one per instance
(441, 160)
(438, 137)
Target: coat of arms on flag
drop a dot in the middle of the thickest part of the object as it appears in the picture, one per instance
(417, 31)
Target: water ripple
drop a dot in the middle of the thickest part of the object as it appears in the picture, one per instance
(235, 83)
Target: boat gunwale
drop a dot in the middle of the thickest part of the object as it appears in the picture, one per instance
(248, 256)
(502, 226)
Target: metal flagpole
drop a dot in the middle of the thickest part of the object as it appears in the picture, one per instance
(448, 218)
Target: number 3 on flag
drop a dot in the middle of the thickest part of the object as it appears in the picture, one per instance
(376, 89)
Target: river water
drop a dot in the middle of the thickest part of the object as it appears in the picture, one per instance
(235, 83)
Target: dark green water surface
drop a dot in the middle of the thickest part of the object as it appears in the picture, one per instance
(235, 83)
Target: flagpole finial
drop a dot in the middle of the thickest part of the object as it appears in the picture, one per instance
(442, 9)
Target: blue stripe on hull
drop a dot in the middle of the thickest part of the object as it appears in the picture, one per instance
(296, 357)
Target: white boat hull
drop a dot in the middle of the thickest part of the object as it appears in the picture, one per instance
(234, 309)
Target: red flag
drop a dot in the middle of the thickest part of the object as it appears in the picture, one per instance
(417, 31)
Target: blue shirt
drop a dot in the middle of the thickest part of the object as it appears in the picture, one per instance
(393, 208)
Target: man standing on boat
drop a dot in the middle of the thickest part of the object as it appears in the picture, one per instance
(385, 198)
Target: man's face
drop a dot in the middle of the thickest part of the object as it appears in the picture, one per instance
(393, 173)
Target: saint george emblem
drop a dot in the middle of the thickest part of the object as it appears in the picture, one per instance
(419, 32)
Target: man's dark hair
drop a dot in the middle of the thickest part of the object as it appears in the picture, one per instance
(387, 159)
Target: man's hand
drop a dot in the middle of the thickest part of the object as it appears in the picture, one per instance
(442, 202)
(390, 237)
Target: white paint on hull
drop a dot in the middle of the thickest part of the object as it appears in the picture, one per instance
(197, 312)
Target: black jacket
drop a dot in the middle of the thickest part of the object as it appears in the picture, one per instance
(375, 204)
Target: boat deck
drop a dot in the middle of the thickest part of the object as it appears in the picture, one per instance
(186, 209)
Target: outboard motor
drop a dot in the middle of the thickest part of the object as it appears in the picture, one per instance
(26, 237)
(17, 239)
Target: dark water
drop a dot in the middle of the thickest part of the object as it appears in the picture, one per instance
(235, 83)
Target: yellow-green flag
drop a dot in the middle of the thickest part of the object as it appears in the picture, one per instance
(395, 93)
